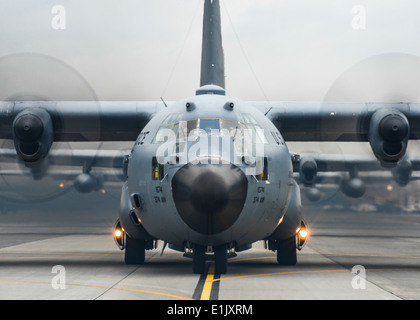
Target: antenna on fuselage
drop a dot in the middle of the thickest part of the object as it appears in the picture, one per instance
(164, 102)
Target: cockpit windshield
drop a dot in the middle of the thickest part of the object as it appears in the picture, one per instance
(246, 128)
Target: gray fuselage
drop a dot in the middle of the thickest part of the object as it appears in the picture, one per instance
(209, 170)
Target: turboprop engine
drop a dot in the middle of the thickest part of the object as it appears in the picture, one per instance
(33, 134)
(85, 183)
(353, 187)
(307, 171)
(402, 172)
(389, 131)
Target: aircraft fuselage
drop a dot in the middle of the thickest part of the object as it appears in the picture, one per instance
(209, 171)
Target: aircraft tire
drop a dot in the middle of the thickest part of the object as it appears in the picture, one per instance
(220, 259)
(135, 251)
(199, 259)
(286, 252)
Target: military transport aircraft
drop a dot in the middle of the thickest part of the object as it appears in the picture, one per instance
(210, 175)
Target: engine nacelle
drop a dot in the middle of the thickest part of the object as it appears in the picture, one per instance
(33, 134)
(307, 171)
(402, 172)
(353, 188)
(389, 131)
(313, 194)
(85, 183)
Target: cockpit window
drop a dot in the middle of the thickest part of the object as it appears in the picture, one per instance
(247, 118)
(210, 126)
(168, 129)
(251, 130)
(172, 119)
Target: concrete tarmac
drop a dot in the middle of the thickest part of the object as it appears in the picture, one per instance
(349, 256)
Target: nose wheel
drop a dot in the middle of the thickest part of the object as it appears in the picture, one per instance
(220, 259)
(199, 259)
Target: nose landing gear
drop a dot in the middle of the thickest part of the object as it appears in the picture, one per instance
(199, 259)
(219, 254)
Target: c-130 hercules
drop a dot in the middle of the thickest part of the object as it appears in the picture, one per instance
(210, 175)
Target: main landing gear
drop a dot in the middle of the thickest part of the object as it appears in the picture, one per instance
(287, 249)
(286, 252)
(135, 249)
(199, 257)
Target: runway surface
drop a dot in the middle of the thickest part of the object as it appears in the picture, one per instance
(71, 261)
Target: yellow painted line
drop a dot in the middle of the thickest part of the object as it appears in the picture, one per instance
(413, 256)
(103, 287)
(254, 258)
(53, 254)
(300, 272)
(279, 273)
(10, 258)
(154, 292)
(205, 294)
(307, 255)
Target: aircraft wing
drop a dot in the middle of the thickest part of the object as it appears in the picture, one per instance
(35, 125)
(330, 121)
(349, 172)
(309, 164)
(336, 162)
(386, 126)
(83, 120)
(88, 169)
(78, 157)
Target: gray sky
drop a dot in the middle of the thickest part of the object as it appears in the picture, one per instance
(305, 50)
(274, 50)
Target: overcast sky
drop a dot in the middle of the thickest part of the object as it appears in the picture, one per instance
(307, 50)
(274, 50)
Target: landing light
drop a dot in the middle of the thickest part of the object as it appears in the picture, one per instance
(119, 235)
(303, 233)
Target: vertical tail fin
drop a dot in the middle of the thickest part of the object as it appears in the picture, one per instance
(212, 57)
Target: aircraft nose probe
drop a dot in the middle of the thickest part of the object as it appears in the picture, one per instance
(209, 197)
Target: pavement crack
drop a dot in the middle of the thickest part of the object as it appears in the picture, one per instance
(122, 279)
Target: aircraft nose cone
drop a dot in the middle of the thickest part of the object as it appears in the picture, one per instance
(209, 192)
(209, 198)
